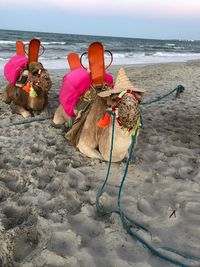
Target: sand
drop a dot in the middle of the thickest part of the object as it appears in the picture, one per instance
(48, 188)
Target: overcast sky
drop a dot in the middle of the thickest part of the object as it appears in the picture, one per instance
(179, 19)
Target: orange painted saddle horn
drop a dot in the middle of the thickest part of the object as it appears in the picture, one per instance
(96, 63)
(20, 48)
(33, 50)
(74, 61)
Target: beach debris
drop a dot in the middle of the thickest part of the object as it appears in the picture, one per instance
(173, 213)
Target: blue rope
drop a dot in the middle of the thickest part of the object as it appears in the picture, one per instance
(184, 255)
(179, 89)
(99, 193)
(150, 247)
(126, 221)
(141, 126)
(126, 170)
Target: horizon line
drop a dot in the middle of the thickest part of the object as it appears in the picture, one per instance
(109, 36)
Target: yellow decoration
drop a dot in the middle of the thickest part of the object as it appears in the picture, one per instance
(33, 92)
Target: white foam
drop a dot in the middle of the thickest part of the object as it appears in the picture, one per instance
(60, 62)
(7, 42)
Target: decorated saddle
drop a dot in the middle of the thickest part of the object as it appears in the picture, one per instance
(75, 84)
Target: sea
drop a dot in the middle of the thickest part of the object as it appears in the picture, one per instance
(125, 50)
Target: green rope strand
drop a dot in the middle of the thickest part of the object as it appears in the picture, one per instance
(179, 89)
(99, 193)
(34, 119)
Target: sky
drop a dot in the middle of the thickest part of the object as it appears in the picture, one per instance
(159, 19)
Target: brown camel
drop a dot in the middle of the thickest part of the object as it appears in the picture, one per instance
(31, 94)
(25, 102)
(95, 141)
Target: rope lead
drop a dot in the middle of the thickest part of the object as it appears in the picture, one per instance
(126, 221)
(179, 89)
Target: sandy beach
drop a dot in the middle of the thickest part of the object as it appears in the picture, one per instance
(48, 188)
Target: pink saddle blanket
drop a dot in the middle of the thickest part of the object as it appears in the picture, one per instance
(13, 67)
(74, 84)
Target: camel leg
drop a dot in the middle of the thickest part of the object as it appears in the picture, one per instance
(20, 110)
(89, 152)
(45, 110)
(60, 116)
(5, 96)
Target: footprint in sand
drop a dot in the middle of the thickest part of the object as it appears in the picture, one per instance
(32, 162)
(64, 243)
(25, 241)
(14, 181)
(146, 207)
(192, 210)
(4, 192)
(62, 165)
(43, 175)
(14, 216)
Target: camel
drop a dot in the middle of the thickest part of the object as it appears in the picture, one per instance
(93, 140)
(31, 94)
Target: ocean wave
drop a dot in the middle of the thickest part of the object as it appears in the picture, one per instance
(125, 50)
(119, 56)
(7, 42)
(53, 43)
(170, 44)
(42, 42)
(52, 57)
(61, 62)
(4, 59)
(167, 54)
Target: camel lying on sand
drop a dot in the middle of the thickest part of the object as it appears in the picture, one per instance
(32, 95)
(26, 102)
(95, 141)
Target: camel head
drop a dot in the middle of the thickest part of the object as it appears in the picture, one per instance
(39, 77)
(124, 101)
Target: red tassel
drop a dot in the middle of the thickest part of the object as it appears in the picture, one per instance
(27, 87)
(105, 121)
